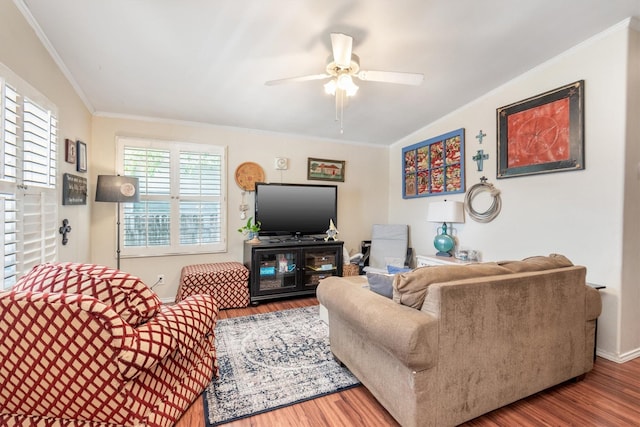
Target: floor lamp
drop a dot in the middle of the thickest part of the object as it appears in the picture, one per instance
(117, 189)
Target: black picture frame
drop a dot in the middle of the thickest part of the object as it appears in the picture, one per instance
(542, 134)
(74, 189)
(81, 153)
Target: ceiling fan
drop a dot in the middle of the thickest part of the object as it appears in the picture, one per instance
(343, 67)
(346, 65)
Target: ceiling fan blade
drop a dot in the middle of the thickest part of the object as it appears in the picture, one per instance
(342, 45)
(298, 79)
(414, 79)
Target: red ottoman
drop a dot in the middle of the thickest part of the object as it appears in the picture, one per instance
(227, 282)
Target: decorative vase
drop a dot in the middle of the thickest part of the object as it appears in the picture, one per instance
(444, 243)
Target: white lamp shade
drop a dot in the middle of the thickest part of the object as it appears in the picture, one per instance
(445, 212)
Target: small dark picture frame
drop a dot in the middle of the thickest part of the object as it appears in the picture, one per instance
(542, 134)
(81, 151)
(74, 189)
(70, 151)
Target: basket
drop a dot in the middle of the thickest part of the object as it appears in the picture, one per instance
(350, 270)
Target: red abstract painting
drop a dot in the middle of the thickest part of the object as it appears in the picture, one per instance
(539, 135)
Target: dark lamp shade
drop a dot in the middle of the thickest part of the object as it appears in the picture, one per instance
(116, 188)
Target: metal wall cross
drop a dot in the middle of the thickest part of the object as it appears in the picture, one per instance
(64, 230)
(479, 158)
(479, 136)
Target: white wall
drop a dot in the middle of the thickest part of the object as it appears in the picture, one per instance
(629, 312)
(24, 54)
(579, 213)
(361, 198)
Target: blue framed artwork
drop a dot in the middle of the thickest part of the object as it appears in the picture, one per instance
(434, 167)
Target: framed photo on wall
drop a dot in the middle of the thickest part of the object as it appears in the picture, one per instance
(81, 152)
(70, 151)
(325, 170)
(542, 134)
(434, 167)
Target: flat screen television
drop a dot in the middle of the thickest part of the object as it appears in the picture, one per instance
(295, 210)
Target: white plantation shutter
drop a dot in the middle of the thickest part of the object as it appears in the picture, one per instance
(28, 201)
(200, 198)
(182, 200)
(147, 223)
(39, 228)
(9, 134)
(39, 146)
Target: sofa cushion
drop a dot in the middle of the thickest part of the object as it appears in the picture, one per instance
(381, 283)
(126, 294)
(411, 288)
(392, 269)
(537, 263)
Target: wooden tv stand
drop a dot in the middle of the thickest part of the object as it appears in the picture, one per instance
(290, 267)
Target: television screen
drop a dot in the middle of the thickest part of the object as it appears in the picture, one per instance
(295, 209)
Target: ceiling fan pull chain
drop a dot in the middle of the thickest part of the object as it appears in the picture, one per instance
(337, 106)
(341, 111)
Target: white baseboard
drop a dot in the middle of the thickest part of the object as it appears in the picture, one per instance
(167, 300)
(621, 358)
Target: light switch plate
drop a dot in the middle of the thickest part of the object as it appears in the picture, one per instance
(282, 163)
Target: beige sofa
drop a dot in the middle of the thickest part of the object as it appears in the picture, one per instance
(456, 342)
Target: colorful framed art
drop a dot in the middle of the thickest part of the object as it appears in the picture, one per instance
(434, 167)
(542, 134)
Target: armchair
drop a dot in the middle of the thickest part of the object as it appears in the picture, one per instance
(83, 344)
(389, 246)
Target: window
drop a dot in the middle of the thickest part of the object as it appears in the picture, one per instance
(28, 197)
(182, 206)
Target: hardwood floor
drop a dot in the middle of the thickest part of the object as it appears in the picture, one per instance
(608, 396)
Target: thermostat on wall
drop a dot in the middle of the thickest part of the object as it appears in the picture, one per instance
(282, 163)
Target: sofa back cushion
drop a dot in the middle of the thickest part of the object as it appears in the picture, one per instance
(411, 288)
(126, 294)
(537, 263)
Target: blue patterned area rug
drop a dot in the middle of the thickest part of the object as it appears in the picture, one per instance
(272, 360)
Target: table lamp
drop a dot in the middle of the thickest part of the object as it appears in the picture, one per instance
(117, 189)
(445, 212)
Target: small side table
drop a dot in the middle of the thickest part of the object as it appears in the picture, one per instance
(595, 339)
(431, 260)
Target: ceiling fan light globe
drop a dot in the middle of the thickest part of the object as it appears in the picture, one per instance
(330, 87)
(344, 81)
(351, 91)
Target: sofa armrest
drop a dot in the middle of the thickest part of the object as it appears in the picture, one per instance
(189, 320)
(150, 343)
(409, 334)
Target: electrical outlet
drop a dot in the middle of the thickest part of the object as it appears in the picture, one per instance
(160, 279)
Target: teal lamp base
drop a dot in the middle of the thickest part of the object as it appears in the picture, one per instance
(444, 243)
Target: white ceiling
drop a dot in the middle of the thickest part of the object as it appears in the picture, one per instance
(207, 60)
